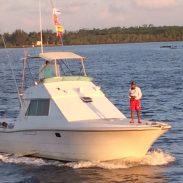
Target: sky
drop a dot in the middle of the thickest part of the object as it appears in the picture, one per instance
(77, 14)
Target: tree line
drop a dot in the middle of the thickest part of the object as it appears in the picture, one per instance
(113, 35)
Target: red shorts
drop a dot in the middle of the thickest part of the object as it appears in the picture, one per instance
(135, 105)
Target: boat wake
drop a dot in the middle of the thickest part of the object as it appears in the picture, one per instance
(153, 158)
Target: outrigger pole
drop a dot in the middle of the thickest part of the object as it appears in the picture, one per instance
(13, 74)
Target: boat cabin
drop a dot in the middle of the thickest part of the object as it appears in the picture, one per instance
(61, 94)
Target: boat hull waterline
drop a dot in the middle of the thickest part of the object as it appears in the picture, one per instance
(75, 145)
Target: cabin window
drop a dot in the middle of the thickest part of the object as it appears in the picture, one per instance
(49, 71)
(39, 107)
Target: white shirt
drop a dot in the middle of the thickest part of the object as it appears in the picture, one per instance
(135, 93)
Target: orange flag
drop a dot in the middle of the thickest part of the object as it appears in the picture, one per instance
(59, 28)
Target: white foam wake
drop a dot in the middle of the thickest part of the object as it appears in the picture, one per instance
(153, 158)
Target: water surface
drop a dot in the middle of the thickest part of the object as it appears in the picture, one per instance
(158, 71)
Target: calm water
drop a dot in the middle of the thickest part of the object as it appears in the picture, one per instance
(158, 71)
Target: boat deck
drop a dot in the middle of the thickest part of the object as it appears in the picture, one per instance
(90, 125)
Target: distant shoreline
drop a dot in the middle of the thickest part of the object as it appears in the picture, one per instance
(29, 46)
(113, 35)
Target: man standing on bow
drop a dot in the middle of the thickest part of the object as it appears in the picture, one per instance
(135, 95)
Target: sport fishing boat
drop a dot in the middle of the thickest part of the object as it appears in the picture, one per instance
(65, 116)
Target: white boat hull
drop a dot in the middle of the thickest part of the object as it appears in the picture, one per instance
(92, 145)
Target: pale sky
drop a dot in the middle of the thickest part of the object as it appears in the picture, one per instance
(76, 14)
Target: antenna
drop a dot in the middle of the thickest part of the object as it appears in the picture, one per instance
(40, 24)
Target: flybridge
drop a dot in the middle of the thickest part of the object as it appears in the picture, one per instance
(57, 64)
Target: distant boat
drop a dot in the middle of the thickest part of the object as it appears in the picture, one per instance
(169, 46)
(166, 46)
